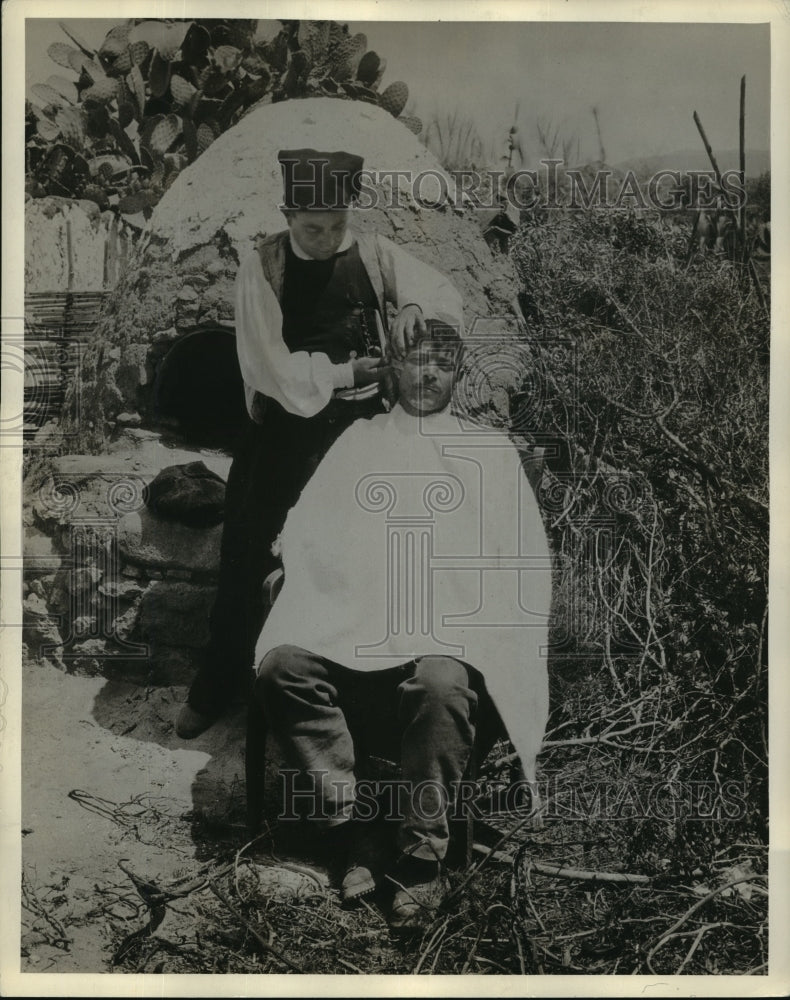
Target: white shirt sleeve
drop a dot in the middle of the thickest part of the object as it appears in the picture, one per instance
(302, 382)
(408, 280)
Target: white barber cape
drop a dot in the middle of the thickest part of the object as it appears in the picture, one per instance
(421, 536)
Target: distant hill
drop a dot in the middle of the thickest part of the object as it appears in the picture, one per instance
(757, 161)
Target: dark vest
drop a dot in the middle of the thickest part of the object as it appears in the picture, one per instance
(327, 306)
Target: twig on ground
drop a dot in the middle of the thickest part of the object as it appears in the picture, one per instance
(672, 931)
(270, 949)
(33, 904)
(349, 965)
(436, 937)
(561, 871)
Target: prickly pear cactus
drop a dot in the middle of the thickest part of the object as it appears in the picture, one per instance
(412, 123)
(394, 98)
(155, 88)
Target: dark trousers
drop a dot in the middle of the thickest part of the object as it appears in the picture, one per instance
(327, 719)
(270, 468)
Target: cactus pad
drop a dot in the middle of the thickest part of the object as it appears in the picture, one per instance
(48, 130)
(121, 64)
(72, 127)
(227, 57)
(412, 123)
(114, 44)
(61, 53)
(394, 98)
(205, 136)
(47, 94)
(125, 113)
(359, 44)
(136, 85)
(104, 88)
(131, 204)
(159, 76)
(190, 139)
(341, 61)
(181, 89)
(368, 68)
(165, 134)
(77, 60)
(138, 51)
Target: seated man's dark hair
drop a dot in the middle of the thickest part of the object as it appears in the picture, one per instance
(441, 336)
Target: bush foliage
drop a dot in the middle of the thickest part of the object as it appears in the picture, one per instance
(660, 510)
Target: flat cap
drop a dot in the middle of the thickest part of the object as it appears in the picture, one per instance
(319, 180)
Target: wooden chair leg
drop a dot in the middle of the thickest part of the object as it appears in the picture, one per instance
(257, 730)
(462, 824)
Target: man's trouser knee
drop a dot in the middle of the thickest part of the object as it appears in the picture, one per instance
(421, 714)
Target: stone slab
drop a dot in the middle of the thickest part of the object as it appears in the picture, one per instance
(149, 541)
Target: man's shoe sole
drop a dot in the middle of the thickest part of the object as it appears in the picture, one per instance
(352, 890)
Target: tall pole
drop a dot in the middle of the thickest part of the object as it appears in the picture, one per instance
(742, 165)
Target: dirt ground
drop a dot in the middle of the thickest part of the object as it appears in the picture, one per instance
(136, 859)
(106, 781)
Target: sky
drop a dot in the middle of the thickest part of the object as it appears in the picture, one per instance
(644, 79)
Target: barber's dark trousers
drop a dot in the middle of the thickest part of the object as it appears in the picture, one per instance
(326, 718)
(271, 466)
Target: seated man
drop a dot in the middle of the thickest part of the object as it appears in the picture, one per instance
(413, 617)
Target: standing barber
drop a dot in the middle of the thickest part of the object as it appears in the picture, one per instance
(307, 304)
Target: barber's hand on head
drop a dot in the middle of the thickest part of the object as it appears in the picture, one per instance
(406, 328)
(368, 370)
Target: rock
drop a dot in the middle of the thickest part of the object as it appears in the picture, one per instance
(84, 578)
(48, 436)
(132, 371)
(176, 614)
(84, 625)
(129, 419)
(59, 599)
(165, 336)
(121, 590)
(112, 399)
(38, 627)
(178, 574)
(124, 627)
(85, 666)
(187, 294)
(90, 647)
(137, 434)
(210, 315)
(36, 606)
(145, 540)
(39, 547)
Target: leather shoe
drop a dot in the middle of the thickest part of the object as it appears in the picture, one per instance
(369, 855)
(190, 723)
(420, 889)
